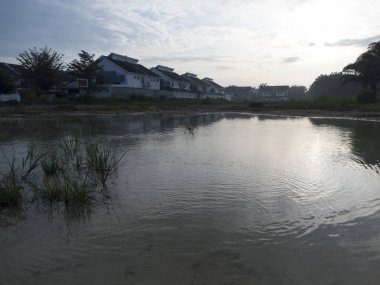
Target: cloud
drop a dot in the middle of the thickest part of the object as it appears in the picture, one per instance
(180, 59)
(353, 42)
(223, 67)
(291, 59)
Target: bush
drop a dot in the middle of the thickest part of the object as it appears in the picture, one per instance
(366, 96)
(87, 99)
(256, 105)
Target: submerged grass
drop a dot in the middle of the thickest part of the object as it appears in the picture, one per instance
(16, 178)
(72, 172)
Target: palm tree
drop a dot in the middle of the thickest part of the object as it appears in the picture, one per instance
(366, 69)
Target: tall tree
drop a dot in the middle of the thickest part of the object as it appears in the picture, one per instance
(331, 86)
(366, 69)
(42, 66)
(297, 92)
(84, 68)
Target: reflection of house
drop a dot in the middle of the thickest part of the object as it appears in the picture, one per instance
(273, 93)
(15, 72)
(169, 79)
(125, 71)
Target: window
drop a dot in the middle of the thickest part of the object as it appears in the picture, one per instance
(121, 78)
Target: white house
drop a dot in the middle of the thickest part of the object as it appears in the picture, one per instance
(196, 84)
(169, 79)
(273, 93)
(125, 71)
(212, 87)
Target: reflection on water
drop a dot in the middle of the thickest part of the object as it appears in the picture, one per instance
(364, 138)
(208, 199)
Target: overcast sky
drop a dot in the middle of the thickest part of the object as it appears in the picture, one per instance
(240, 42)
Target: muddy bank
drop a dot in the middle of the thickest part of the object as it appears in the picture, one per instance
(86, 110)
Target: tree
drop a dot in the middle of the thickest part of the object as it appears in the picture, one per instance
(331, 86)
(6, 83)
(366, 69)
(42, 66)
(84, 68)
(262, 86)
(297, 92)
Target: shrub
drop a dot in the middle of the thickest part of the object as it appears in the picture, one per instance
(366, 96)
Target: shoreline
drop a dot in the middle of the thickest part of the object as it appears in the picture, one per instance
(94, 110)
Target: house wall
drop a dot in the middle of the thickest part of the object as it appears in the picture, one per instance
(170, 82)
(130, 79)
(122, 91)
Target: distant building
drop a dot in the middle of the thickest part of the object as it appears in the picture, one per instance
(196, 84)
(125, 71)
(206, 88)
(212, 87)
(15, 71)
(171, 80)
(241, 93)
(273, 93)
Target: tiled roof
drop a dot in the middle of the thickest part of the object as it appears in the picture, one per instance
(134, 68)
(195, 80)
(172, 75)
(212, 83)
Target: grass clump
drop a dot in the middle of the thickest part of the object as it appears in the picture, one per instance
(74, 172)
(16, 178)
(71, 172)
(102, 160)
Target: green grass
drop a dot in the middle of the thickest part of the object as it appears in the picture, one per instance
(16, 177)
(72, 172)
(10, 186)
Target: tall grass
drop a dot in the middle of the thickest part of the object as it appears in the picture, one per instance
(72, 172)
(102, 160)
(16, 178)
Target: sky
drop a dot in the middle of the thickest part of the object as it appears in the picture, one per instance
(235, 42)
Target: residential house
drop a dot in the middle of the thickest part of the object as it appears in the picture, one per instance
(241, 93)
(169, 79)
(15, 71)
(125, 71)
(196, 84)
(273, 93)
(212, 87)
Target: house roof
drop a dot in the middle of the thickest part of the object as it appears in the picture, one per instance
(132, 67)
(12, 69)
(212, 83)
(194, 80)
(172, 75)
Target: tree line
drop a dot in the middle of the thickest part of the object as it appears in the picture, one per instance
(45, 68)
(360, 79)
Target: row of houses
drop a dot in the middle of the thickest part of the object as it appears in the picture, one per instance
(124, 76)
(120, 73)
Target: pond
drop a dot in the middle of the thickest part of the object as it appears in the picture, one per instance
(206, 199)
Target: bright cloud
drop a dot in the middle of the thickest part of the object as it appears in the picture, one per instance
(238, 42)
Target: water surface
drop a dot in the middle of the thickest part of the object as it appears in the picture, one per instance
(237, 199)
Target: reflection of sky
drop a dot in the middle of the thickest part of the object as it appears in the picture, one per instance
(261, 174)
(231, 196)
(258, 175)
